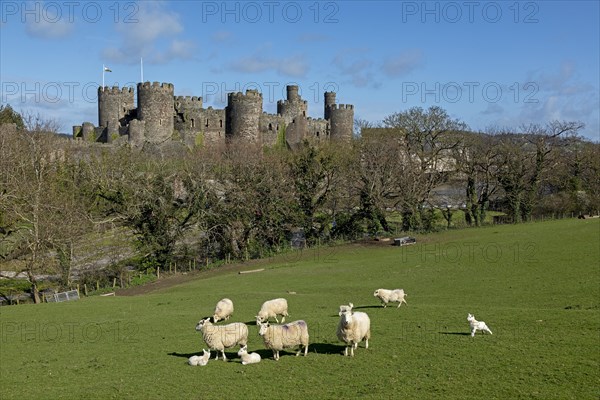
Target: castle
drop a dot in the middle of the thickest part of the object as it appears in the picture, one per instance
(160, 116)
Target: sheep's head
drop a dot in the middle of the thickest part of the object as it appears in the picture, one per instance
(344, 307)
(243, 350)
(259, 320)
(470, 317)
(376, 293)
(346, 317)
(202, 323)
(263, 328)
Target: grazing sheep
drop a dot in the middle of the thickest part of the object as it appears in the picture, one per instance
(200, 360)
(352, 329)
(344, 307)
(387, 296)
(477, 325)
(223, 310)
(251, 358)
(221, 337)
(279, 337)
(272, 308)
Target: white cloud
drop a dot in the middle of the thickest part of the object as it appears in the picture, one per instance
(47, 29)
(294, 66)
(403, 63)
(356, 67)
(154, 36)
(222, 36)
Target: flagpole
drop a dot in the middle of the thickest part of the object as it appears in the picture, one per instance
(141, 70)
(103, 70)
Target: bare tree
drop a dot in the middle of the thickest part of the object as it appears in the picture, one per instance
(476, 161)
(427, 138)
(524, 159)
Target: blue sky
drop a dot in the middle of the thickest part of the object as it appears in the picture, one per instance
(488, 63)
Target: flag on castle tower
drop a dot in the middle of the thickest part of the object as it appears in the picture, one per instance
(107, 69)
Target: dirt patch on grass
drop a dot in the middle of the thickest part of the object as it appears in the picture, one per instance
(169, 280)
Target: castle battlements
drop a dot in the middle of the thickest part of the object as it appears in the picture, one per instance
(156, 86)
(115, 90)
(160, 116)
(340, 107)
(187, 99)
(250, 93)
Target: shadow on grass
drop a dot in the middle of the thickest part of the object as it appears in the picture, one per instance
(326, 348)
(229, 355)
(365, 307)
(455, 333)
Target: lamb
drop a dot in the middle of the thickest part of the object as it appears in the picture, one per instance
(394, 296)
(251, 358)
(352, 329)
(223, 310)
(477, 325)
(344, 307)
(200, 360)
(279, 337)
(272, 308)
(220, 337)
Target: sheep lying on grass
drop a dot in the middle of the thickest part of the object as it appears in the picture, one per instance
(251, 358)
(221, 337)
(477, 325)
(223, 310)
(393, 296)
(352, 329)
(345, 307)
(200, 360)
(279, 337)
(272, 308)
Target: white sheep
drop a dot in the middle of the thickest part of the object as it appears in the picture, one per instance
(352, 329)
(279, 337)
(272, 308)
(477, 325)
(387, 296)
(200, 360)
(345, 307)
(251, 358)
(221, 337)
(223, 310)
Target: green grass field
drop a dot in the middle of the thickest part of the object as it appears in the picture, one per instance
(535, 285)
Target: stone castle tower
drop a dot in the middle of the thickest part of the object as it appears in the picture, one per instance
(243, 115)
(115, 109)
(160, 116)
(155, 109)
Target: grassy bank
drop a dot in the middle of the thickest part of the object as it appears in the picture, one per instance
(535, 285)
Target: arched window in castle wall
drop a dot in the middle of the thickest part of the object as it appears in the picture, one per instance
(270, 127)
(193, 123)
(220, 123)
(207, 122)
(160, 122)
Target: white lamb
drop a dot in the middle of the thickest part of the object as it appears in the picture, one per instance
(200, 360)
(223, 310)
(352, 329)
(477, 325)
(221, 337)
(251, 358)
(393, 296)
(344, 307)
(279, 337)
(272, 308)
